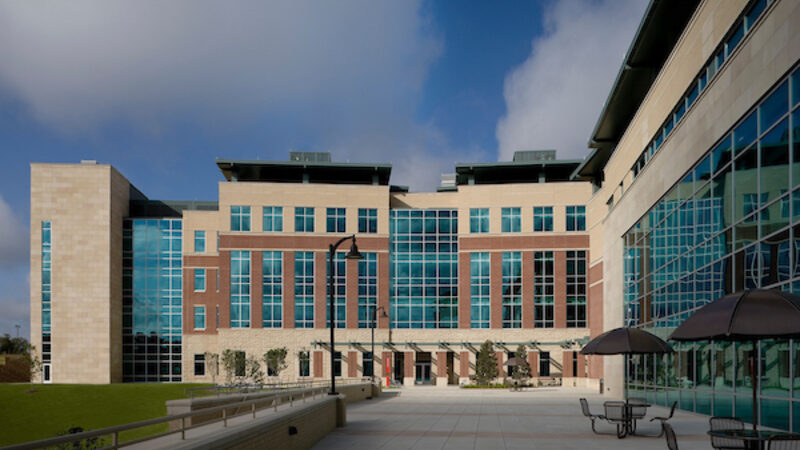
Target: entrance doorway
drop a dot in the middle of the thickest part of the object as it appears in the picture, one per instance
(452, 378)
(544, 364)
(422, 368)
(399, 366)
(46, 373)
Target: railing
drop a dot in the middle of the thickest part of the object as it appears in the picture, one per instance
(241, 408)
(248, 388)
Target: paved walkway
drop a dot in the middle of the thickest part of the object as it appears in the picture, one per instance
(453, 418)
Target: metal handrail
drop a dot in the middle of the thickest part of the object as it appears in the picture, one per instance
(114, 431)
(246, 388)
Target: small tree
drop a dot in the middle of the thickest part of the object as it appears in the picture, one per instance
(524, 371)
(275, 360)
(486, 364)
(212, 365)
(34, 363)
(253, 371)
(234, 364)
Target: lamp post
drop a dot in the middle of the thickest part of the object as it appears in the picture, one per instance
(352, 254)
(374, 317)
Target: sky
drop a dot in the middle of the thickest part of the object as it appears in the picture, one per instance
(160, 89)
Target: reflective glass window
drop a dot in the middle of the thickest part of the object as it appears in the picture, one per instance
(511, 220)
(542, 218)
(272, 218)
(479, 220)
(335, 221)
(304, 219)
(240, 218)
(367, 220)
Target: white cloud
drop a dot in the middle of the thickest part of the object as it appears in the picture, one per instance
(554, 98)
(14, 239)
(339, 72)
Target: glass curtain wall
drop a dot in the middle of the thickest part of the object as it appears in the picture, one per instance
(731, 223)
(424, 268)
(152, 300)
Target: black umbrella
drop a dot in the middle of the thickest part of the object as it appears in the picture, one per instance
(744, 316)
(626, 341)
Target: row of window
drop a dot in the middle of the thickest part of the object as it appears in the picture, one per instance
(303, 364)
(511, 219)
(741, 28)
(303, 219)
(46, 290)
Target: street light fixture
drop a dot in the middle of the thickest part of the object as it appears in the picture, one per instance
(352, 254)
(374, 316)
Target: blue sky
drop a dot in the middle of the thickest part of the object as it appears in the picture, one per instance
(160, 89)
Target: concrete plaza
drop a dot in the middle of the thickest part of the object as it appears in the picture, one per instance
(542, 418)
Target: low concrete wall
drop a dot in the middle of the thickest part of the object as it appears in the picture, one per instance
(352, 393)
(297, 428)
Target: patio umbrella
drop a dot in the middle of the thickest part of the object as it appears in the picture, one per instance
(515, 362)
(626, 341)
(744, 316)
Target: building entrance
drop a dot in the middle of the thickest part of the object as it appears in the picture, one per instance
(422, 368)
(399, 366)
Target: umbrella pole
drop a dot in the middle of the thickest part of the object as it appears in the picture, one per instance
(754, 381)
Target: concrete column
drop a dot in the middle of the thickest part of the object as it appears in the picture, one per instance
(408, 370)
(464, 363)
(566, 363)
(441, 368)
(581, 366)
(288, 289)
(317, 363)
(352, 364)
(533, 361)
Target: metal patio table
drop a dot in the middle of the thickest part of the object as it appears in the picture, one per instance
(753, 439)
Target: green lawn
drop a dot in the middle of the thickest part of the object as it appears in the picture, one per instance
(54, 408)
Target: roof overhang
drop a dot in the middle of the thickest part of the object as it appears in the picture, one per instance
(515, 172)
(661, 27)
(305, 172)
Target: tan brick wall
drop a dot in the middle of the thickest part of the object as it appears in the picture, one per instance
(85, 204)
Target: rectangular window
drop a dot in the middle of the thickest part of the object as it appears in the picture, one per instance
(304, 289)
(46, 288)
(335, 222)
(367, 364)
(367, 220)
(512, 290)
(543, 290)
(273, 218)
(542, 218)
(240, 218)
(480, 295)
(199, 364)
(199, 241)
(367, 288)
(337, 364)
(240, 363)
(511, 220)
(303, 219)
(340, 290)
(479, 220)
(304, 363)
(199, 280)
(576, 289)
(240, 289)
(272, 289)
(199, 317)
(576, 218)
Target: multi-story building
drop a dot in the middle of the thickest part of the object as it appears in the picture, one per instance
(250, 273)
(690, 192)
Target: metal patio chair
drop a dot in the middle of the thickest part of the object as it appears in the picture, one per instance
(784, 442)
(636, 410)
(672, 440)
(587, 413)
(726, 423)
(616, 414)
(665, 419)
